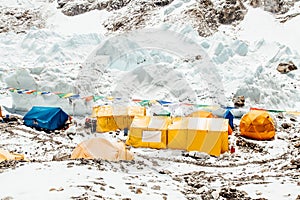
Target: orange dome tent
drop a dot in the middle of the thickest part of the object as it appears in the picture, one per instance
(257, 125)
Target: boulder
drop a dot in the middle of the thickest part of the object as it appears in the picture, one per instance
(239, 101)
(286, 67)
(286, 125)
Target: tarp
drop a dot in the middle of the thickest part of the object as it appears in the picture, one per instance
(257, 125)
(161, 102)
(111, 118)
(49, 118)
(209, 135)
(146, 131)
(101, 148)
(228, 115)
(5, 155)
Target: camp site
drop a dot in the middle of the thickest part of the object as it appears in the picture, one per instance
(149, 99)
(125, 141)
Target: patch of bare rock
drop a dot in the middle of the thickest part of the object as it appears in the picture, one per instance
(20, 20)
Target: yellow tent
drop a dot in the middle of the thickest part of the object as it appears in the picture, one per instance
(257, 125)
(207, 114)
(177, 133)
(201, 114)
(5, 155)
(209, 135)
(146, 131)
(105, 120)
(111, 118)
(96, 148)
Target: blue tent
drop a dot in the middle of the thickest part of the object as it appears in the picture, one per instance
(49, 118)
(228, 115)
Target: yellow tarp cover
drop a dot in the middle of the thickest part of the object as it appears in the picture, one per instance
(111, 118)
(146, 131)
(257, 125)
(101, 148)
(209, 135)
(5, 155)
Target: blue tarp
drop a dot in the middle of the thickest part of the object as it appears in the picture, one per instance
(228, 115)
(49, 118)
(163, 102)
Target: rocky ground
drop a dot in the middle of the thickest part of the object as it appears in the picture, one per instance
(205, 15)
(154, 172)
(19, 20)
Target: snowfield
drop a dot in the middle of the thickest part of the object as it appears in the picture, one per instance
(92, 54)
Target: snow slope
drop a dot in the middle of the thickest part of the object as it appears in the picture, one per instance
(247, 65)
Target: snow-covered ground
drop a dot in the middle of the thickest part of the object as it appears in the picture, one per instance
(237, 60)
(255, 170)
